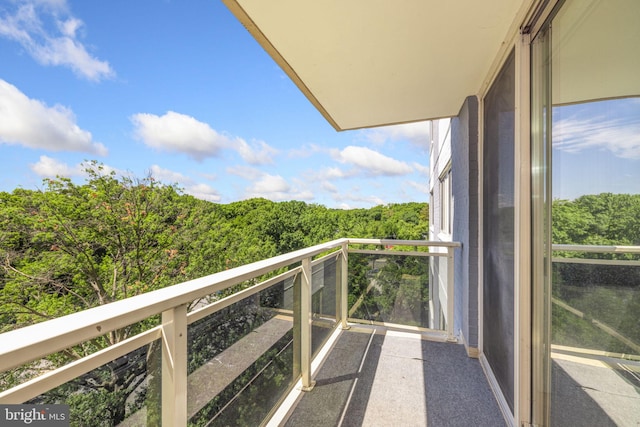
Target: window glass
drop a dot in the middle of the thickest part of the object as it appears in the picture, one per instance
(592, 297)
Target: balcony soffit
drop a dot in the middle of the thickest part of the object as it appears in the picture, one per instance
(366, 63)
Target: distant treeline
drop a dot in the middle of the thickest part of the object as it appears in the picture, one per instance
(75, 246)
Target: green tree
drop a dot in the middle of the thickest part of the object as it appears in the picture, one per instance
(73, 247)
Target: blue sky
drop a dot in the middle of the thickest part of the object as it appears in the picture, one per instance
(596, 148)
(181, 90)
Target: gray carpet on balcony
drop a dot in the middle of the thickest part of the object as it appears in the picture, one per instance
(397, 379)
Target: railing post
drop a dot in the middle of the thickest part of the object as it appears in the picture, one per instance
(344, 287)
(450, 295)
(305, 326)
(174, 367)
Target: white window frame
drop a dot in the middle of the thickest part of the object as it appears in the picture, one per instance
(446, 201)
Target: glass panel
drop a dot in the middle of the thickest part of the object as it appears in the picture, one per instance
(323, 301)
(241, 359)
(595, 339)
(438, 287)
(125, 392)
(389, 288)
(498, 227)
(593, 294)
(595, 306)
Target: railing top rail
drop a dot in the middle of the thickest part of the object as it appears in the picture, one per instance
(597, 249)
(36, 341)
(392, 242)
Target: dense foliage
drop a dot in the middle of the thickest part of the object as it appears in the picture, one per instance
(73, 246)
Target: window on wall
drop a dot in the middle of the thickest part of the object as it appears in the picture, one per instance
(446, 201)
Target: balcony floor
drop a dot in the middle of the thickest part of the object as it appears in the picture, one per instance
(379, 377)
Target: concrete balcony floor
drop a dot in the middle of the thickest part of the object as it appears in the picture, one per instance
(378, 377)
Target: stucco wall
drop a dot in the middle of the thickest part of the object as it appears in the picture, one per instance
(464, 172)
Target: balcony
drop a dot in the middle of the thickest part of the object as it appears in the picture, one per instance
(350, 332)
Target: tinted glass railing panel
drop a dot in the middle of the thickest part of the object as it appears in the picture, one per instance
(595, 339)
(596, 306)
(241, 359)
(389, 288)
(124, 392)
(324, 284)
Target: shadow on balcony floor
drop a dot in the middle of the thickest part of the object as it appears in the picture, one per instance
(385, 378)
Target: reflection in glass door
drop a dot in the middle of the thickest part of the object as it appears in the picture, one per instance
(586, 210)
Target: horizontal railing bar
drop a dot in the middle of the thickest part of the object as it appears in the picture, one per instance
(621, 262)
(403, 253)
(50, 380)
(597, 249)
(238, 296)
(33, 342)
(594, 354)
(432, 333)
(36, 341)
(392, 242)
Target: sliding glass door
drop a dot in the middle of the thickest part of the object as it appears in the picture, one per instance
(586, 215)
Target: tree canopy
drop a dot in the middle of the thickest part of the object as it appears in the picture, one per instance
(72, 246)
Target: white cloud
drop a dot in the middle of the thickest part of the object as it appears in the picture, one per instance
(204, 192)
(371, 162)
(208, 176)
(357, 200)
(31, 123)
(421, 169)
(621, 137)
(50, 168)
(70, 27)
(417, 133)
(305, 151)
(258, 153)
(422, 187)
(177, 132)
(276, 188)
(327, 186)
(180, 133)
(48, 47)
(334, 173)
(271, 184)
(166, 175)
(196, 189)
(246, 172)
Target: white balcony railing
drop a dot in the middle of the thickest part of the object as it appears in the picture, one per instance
(295, 309)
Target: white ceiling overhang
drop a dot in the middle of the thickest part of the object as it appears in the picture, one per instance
(366, 63)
